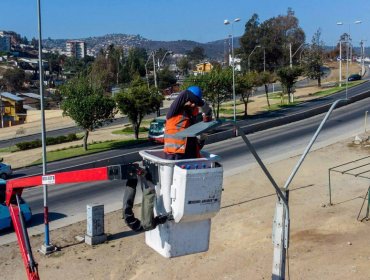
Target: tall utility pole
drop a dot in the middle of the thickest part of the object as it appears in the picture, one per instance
(292, 55)
(1, 108)
(362, 43)
(348, 38)
(227, 22)
(154, 71)
(46, 248)
(340, 62)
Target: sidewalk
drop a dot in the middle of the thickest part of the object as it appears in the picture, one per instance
(327, 242)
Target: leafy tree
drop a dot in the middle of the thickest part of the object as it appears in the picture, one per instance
(274, 36)
(314, 58)
(165, 78)
(133, 65)
(266, 79)
(86, 105)
(184, 65)
(13, 79)
(288, 76)
(101, 73)
(196, 54)
(35, 43)
(137, 102)
(72, 65)
(216, 86)
(245, 85)
(25, 40)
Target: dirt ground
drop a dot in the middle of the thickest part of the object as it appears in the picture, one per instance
(327, 242)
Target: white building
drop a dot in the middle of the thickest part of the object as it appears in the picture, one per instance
(76, 49)
(237, 62)
(5, 42)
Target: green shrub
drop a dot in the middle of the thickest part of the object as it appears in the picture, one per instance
(49, 141)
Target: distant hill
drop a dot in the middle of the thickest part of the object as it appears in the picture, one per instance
(213, 50)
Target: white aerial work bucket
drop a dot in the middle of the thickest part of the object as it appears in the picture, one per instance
(190, 190)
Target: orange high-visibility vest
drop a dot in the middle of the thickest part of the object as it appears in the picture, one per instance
(174, 144)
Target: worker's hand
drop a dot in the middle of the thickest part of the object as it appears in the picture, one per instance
(206, 118)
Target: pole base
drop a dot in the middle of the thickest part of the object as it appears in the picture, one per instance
(47, 249)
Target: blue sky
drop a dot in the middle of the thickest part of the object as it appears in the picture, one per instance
(198, 20)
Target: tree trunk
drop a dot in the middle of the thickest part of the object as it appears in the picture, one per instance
(246, 106)
(218, 110)
(319, 81)
(85, 139)
(267, 94)
(136, 130)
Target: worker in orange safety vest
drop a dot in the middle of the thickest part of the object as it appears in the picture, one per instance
(182, 113)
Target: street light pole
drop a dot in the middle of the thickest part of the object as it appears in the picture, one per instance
(249, 56)
(146, 69)
(362, 57)
(292, 55)
(46, 248)
(154, 71)
(340, 62)
(226, 22)
(164, 56)
(1, 108)
(347, 49)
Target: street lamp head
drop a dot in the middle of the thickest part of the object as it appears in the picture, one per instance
(258, 46)
(339, 23)
(358, 21)
(237, 19)
(226, 22)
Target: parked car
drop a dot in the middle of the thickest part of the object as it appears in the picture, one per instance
(156, 129)
(5, 171)
(5, 220)
(172, 96)
(354, 77)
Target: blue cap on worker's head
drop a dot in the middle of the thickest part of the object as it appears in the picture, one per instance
(196, 91)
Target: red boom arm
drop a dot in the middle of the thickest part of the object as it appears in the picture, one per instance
(15, 187)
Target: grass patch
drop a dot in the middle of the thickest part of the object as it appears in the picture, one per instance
(230, 111)
(275, 107)
(129, 130)
(275, 95)
(336, 89)
(10, 149)
(93, 148)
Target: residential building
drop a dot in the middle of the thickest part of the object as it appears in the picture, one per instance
(237, 62)
(203, 67)
(32, 100)
(76, 49)
(5, 43)
(12, 112)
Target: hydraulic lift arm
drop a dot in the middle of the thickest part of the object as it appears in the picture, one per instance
(15, 187)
